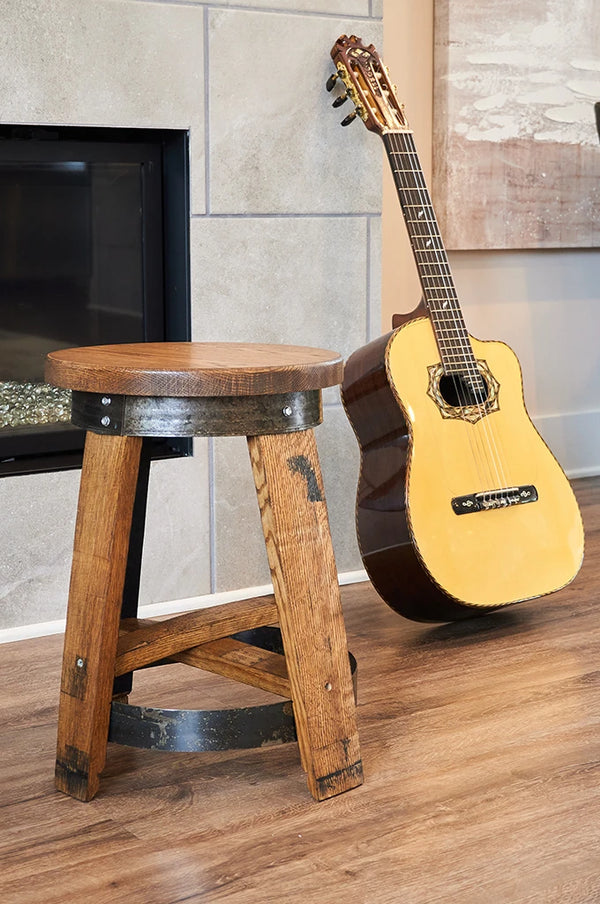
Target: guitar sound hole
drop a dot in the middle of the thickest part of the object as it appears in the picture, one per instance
(463, 390)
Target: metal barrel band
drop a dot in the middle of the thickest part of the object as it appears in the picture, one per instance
(123, 415)
(192, 730)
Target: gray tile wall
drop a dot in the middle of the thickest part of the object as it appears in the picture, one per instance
(285, 248)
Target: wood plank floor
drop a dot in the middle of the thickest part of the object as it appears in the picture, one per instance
(481, 745)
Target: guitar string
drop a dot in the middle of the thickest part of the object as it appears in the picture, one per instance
(450, 304)
(403, 185)
(472, 368)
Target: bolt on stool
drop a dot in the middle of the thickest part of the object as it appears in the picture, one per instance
(272, 395)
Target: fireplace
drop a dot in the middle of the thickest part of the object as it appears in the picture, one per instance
(94, 249)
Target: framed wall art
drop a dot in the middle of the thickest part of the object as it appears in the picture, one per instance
(516, 153)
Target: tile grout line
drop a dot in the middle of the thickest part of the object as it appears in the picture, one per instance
(212, 516)
(287, 215)
(206, 114)
(240, 7)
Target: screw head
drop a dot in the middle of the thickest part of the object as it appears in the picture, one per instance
(287, 411)
(105, 421)
(106, 400)
(79, 663)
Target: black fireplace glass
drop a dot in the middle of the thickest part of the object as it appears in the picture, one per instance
(94, 249)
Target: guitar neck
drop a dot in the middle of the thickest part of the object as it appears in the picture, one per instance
(429, 253)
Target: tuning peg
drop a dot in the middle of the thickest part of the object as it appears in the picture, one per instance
(350, 118)
(340, 100)
(331, 81)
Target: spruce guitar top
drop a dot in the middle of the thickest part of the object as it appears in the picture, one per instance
(461, 506)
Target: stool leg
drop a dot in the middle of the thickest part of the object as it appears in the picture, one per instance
(106, 497)
(296, 528)
(131, 589)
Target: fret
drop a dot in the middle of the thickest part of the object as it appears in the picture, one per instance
(437, 265)
(422, 244)
(415, 225)
(468, 358)
(417, 186)
(423, 229)
(458, 330)
(474, 376)
(452, 337)
(453, 318)
(462, 352)
(448, 322)
(433, 233)
(451, 331)
(409, 188)
(427, 249)
(453, 342)
(422, 220)
(431, 297)
(422, 188)
(443, 294)
(446, 334)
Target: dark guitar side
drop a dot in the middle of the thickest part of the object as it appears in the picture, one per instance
(384, 537)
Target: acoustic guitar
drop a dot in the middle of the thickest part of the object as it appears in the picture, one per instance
(461, 506)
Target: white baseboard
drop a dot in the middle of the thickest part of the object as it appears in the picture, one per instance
(574, 438)
(171, 607)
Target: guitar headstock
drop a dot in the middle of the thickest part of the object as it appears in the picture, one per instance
(367, 85)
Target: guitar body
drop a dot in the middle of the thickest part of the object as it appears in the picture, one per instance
(426, 561)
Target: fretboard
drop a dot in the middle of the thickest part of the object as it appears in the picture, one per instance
(430, 255)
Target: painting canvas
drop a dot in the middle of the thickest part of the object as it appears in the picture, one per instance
(516, 152)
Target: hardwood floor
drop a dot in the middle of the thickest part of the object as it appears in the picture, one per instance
(481, 748)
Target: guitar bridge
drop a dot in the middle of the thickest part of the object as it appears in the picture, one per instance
(494, 499)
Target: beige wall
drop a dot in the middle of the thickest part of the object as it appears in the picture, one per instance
(544, 304)
(408, 53)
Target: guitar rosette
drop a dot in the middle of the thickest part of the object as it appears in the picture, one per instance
(463, 382)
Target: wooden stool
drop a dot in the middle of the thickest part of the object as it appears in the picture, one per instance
(272, 395)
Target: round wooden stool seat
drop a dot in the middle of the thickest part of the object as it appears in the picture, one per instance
(194, 368)
(170, 389)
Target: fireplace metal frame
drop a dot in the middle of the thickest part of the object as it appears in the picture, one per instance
(167, 314)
